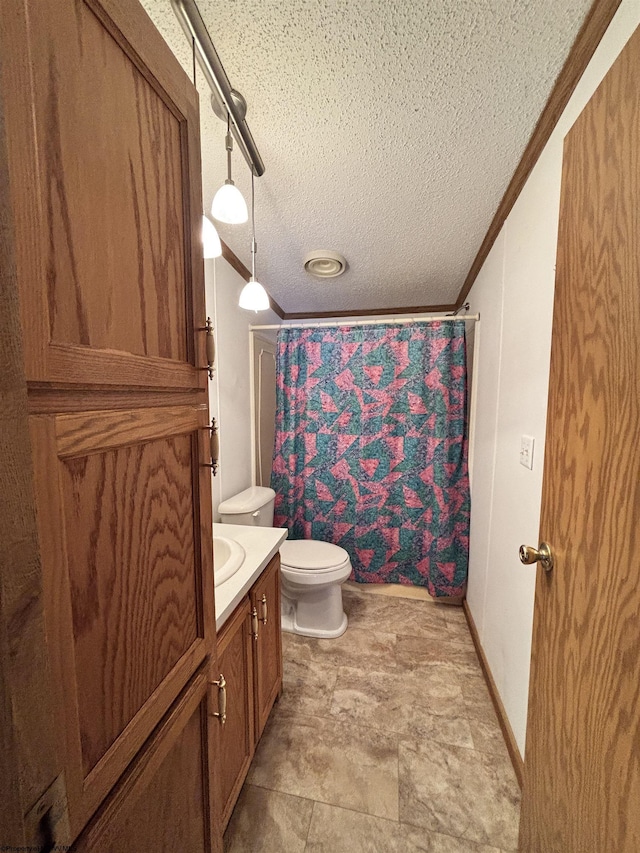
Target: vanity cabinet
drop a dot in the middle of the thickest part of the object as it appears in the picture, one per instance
(267, 645)
(250, 659)
(235, 658)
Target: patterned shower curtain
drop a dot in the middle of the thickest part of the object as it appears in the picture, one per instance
(371, 450)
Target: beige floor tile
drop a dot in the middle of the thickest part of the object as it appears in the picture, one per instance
(265, 821)
(487, 737)
(476, 695)
(459, 792)
(422, 705)
(330, 761)
(307, 687)
(414, 654)
(357, 647)
(418, 840)
(458, 631)
(395, 615)
(336, 830)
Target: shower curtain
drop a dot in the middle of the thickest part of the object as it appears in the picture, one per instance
(371, 450)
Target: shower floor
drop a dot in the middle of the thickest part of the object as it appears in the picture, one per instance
(383, 740)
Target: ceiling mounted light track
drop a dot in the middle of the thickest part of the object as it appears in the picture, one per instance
(324, 263)
(229, 101)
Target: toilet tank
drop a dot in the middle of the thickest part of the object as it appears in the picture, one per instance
(254, 506)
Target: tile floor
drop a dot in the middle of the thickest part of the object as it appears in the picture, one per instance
(384, 740)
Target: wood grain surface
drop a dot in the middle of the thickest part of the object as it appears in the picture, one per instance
(267, 661)
(94, 432)
(161, 803)
(129, 530)
(106, 237)
(135, 171)
(105, 184)
(236, 736)
(582, 759)
(27, 767)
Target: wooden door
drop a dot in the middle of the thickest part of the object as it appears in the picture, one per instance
(582, 759)
(267, 666)
(235, 660)
(102, 135)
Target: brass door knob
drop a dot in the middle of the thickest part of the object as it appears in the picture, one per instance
(543, 555)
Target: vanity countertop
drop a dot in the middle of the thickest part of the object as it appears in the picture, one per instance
(260, 544)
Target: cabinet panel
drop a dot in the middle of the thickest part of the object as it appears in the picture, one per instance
(133, 596)
(139, 168)
(106, 196)
(124, 523)
(265, 598)
(236, 736)
(164, 802)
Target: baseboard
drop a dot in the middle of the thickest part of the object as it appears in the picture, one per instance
(507, 731)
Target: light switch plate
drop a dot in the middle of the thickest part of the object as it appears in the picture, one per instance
(526, 451)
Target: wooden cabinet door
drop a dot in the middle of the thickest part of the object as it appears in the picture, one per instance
(267, 670)
(164, 802)
(236, 735)
(102, 131)
(104, 156)
(124, 517)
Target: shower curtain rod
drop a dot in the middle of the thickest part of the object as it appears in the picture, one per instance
(429, 319)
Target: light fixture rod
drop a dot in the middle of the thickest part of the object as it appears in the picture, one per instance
(196, 32)
(254, 245)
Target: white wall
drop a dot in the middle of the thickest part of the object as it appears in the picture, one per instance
(230, 390)
(514, 295)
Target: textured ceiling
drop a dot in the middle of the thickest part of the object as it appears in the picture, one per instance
(389, 132)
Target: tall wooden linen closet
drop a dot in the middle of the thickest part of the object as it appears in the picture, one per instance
(107, 632)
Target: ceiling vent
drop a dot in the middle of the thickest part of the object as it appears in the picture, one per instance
(323, 263)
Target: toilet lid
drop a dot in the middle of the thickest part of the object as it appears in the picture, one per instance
(312, 554)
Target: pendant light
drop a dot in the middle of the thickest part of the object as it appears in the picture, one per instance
(253, 296)
(228, 204)
(211, 245)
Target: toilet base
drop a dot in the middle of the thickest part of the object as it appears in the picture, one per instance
(315, 614)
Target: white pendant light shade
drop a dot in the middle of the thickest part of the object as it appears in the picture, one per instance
(212, 248)
(254, 297)
(229, 206)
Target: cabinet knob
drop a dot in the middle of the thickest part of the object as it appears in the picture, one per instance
(254, 623)
(264, 610)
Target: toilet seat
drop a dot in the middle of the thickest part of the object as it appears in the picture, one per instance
(311, 555)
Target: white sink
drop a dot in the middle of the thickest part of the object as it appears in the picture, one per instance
(228, 556)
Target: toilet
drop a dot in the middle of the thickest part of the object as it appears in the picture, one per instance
(311, 571)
